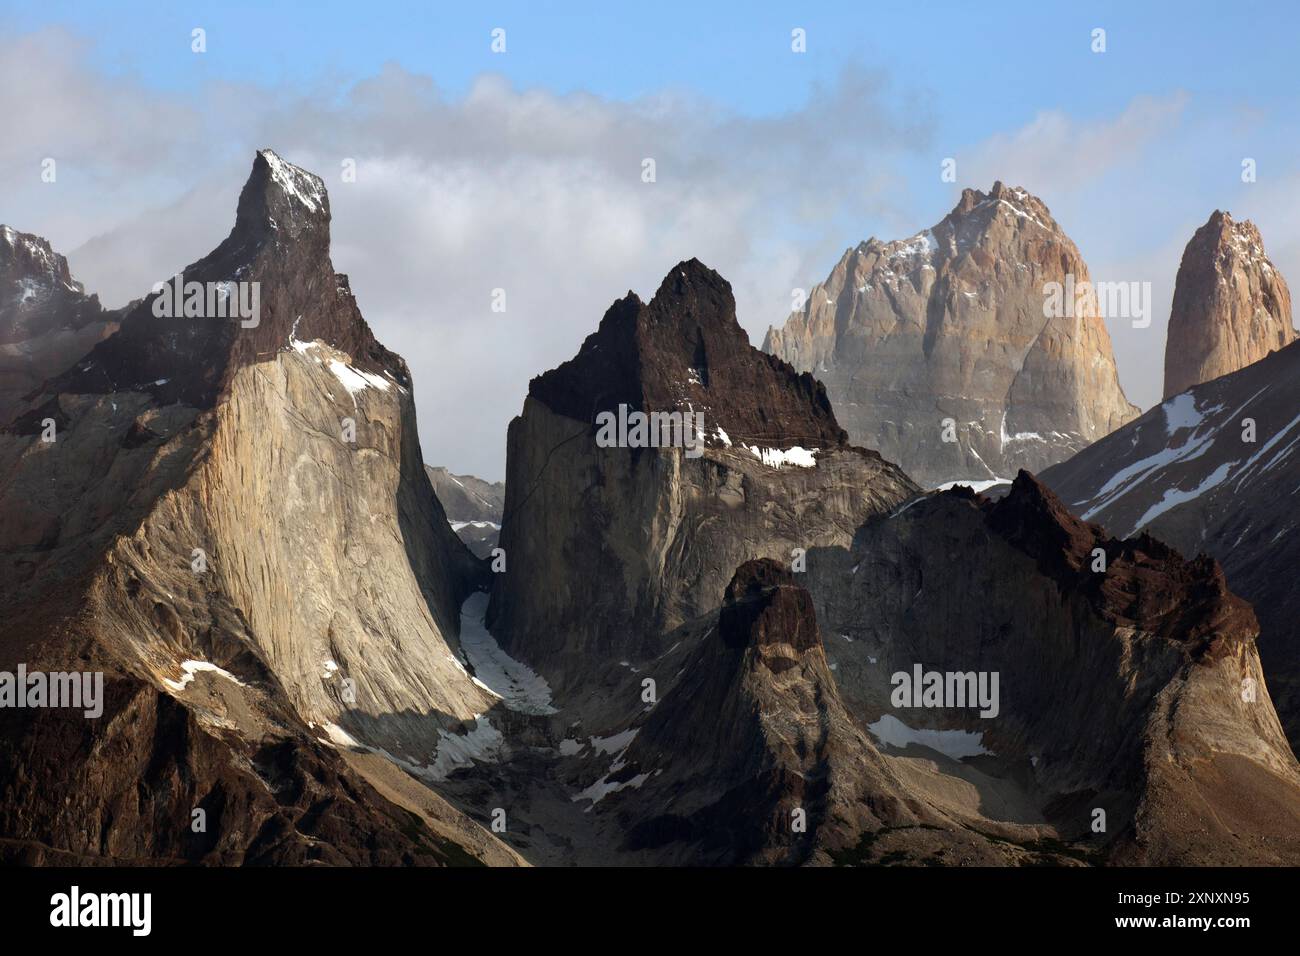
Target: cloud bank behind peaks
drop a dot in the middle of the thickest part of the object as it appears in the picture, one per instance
(538, 194)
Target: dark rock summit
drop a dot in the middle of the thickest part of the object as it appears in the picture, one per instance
(752, 758)
(47, 321)
(609, 548)
(280, 241)
(1146, 583)
(685, 349)
(764, 607)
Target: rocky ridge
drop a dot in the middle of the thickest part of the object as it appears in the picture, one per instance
(1121, 689)
(47, 321)
(1215, 469)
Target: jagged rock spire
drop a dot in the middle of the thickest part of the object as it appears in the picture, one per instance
(1231, 306)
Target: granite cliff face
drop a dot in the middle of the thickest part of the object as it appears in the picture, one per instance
(951, 324)
(609, 548)
(1231, 306)
(47, 321)
(1215, 469)
(233, 523)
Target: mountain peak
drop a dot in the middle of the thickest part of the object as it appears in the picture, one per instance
(24, 255)
(37, 291)
(46, 319)
(683, 350)
(279, 196)
(1231, 306)
(1226, 233)
(763, 606)
(1014, 201)
(276, 263)
(1144, 581)
(947, 327)
(1033, 518)
(692, 274)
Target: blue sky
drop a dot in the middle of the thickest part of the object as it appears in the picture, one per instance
(986, 64)
(521, 170)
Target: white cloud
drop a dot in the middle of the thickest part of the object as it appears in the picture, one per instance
(1055, 154)
(524, 190)
(541, 194)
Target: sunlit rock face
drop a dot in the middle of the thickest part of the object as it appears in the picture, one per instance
(231, 519)
(937, 350)
(1231, 305)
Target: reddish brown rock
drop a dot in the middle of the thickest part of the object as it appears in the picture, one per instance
(1231, 305)
(1215, 469)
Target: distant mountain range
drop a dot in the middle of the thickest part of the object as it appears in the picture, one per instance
(473, 507)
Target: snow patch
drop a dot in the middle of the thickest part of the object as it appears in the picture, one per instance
(614, 744)
(796, 456)
(355, 380)
(518, 686)
(296, 344)
(297, 183)
(977, 486)
(483, 743)
(1180, 412)
(340, 736)
(602, 788)
(1176, 496)
(193, 667)
(457, 525)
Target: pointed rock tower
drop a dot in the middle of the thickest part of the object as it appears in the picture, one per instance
(1231, 305)
(232, 523)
